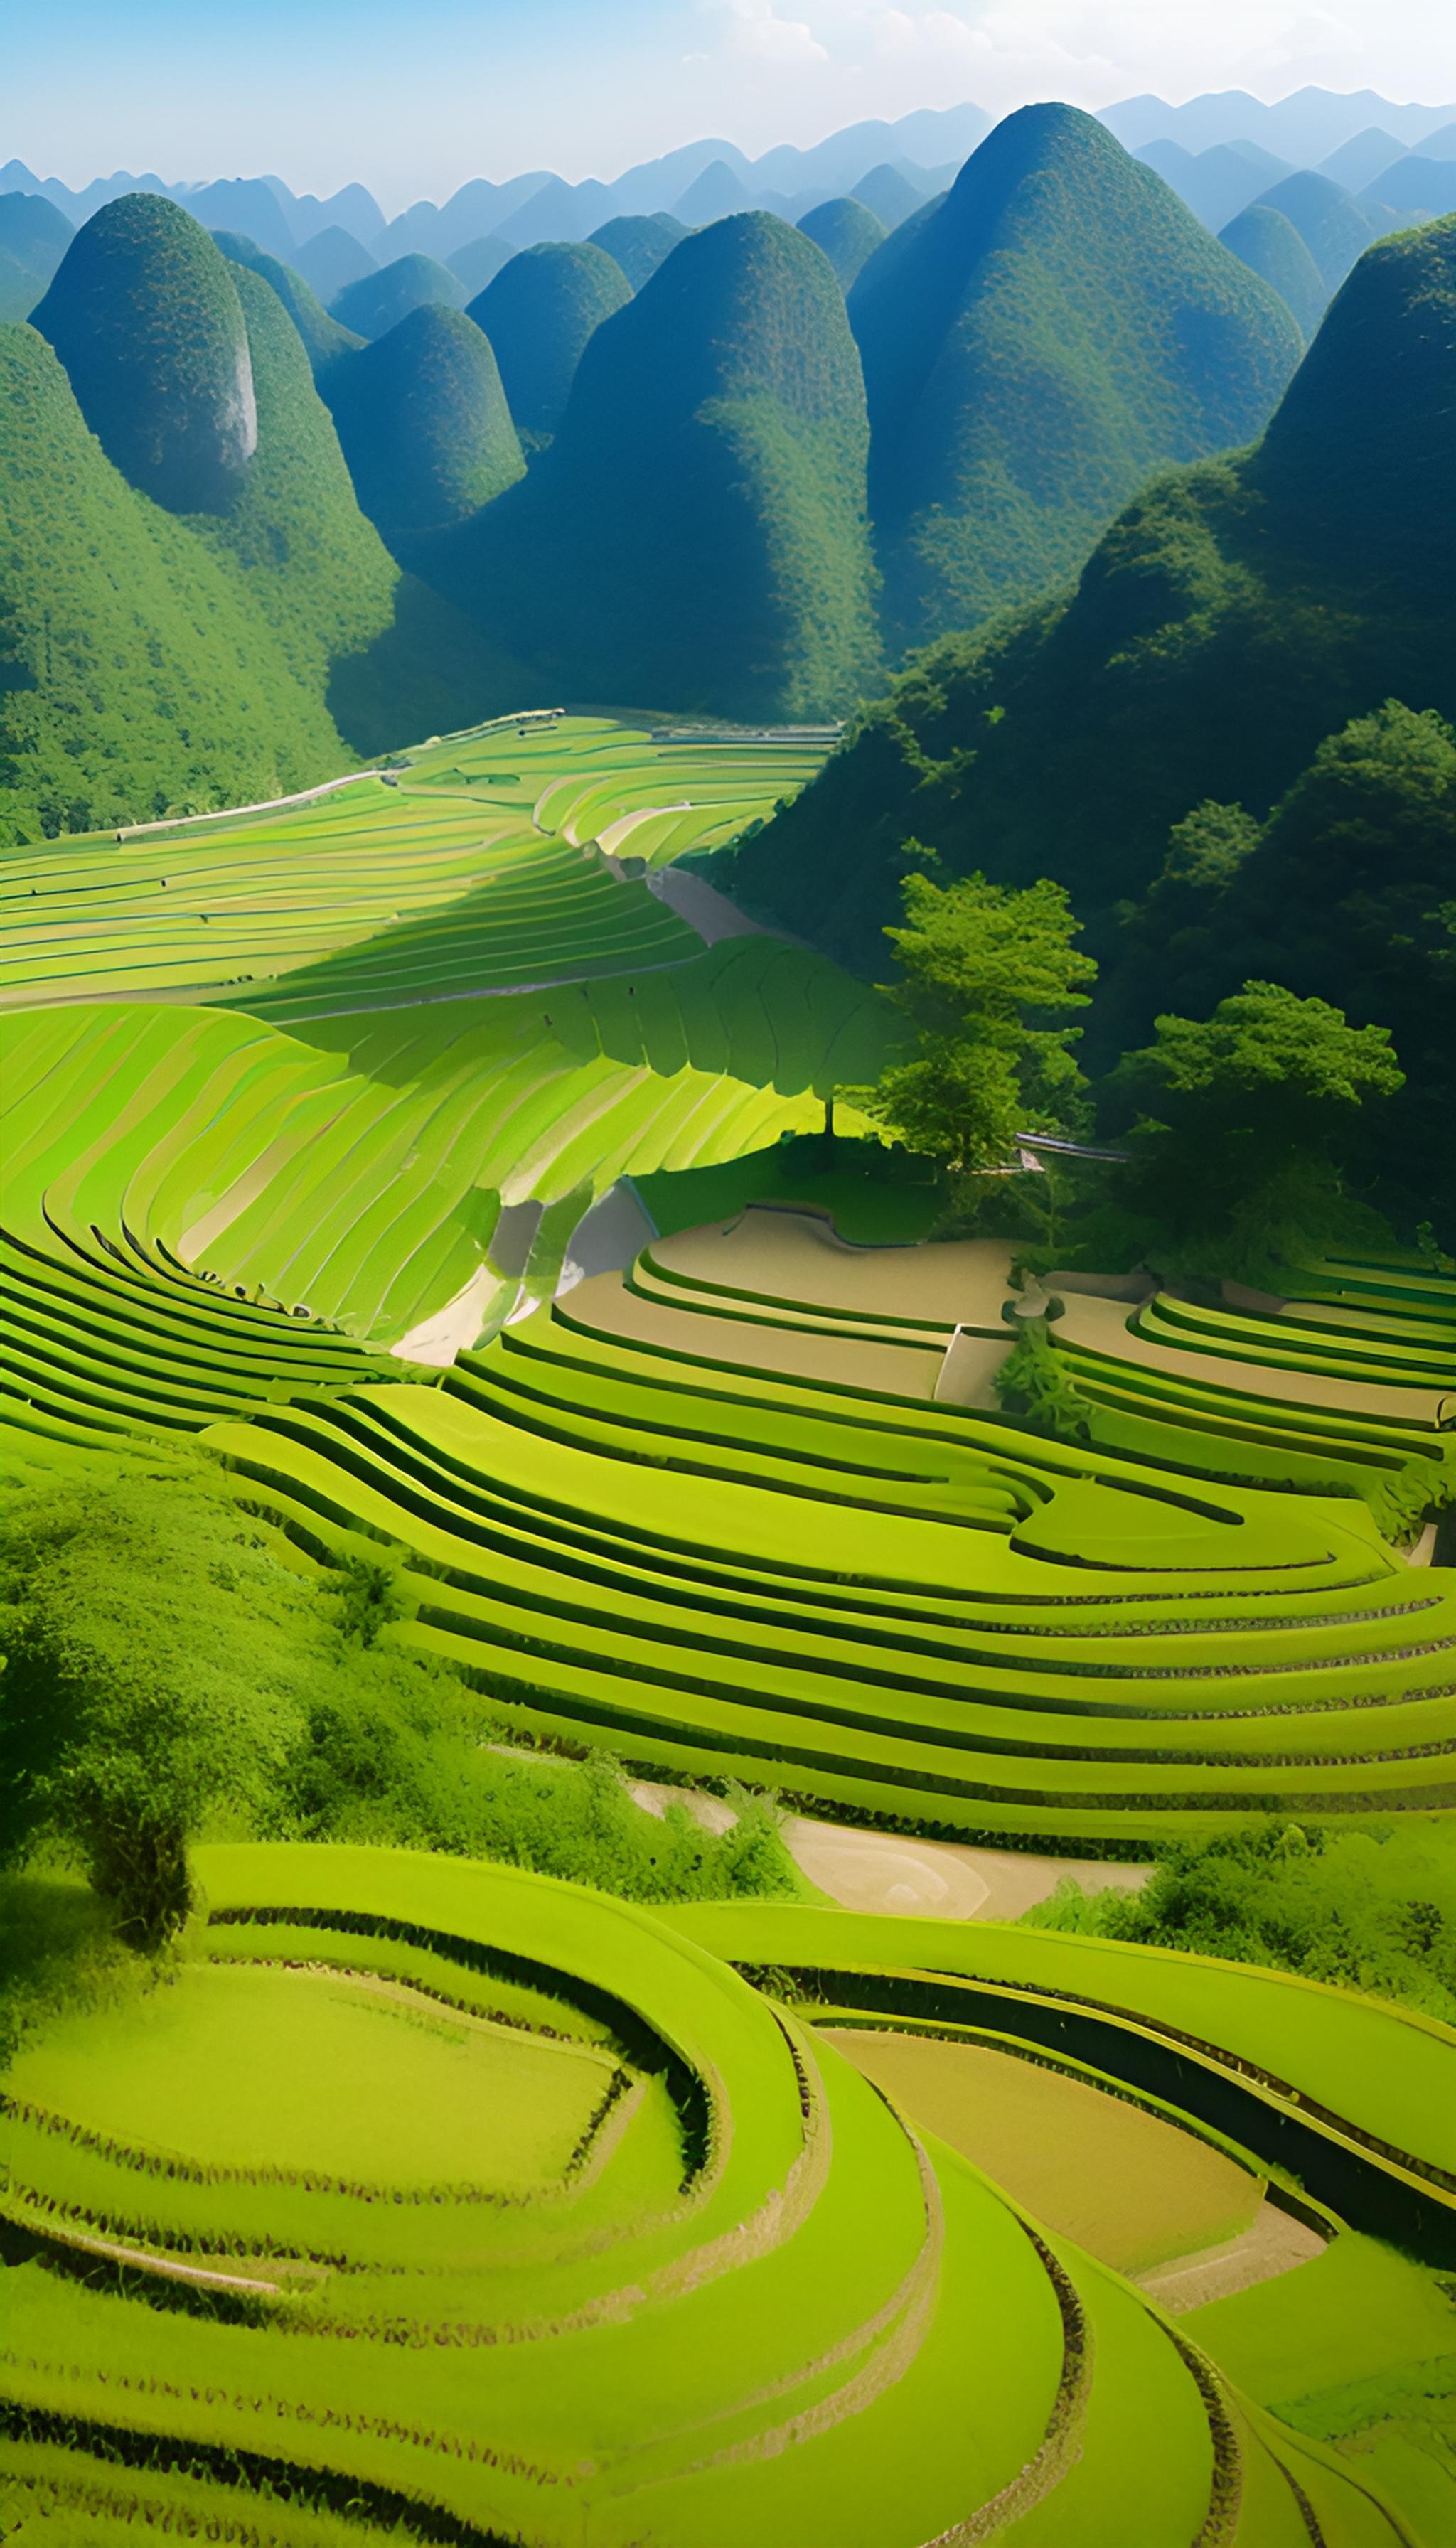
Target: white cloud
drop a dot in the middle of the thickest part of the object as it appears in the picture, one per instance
(755, 30)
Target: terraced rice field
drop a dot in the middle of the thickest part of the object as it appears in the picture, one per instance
(434, 2199)
(752, 2288)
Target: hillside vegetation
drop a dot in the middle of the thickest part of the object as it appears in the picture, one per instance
(324, 339)
(638, 242)
(849, 233)
(1236, 613)
(538, 314)
(139, 671)
(1270, 245)
(377, 301)
(146, 318)
(696, 534)
(423, 423)
(154, 662)
(1034, 344)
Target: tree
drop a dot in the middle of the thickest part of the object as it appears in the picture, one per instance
(1242, 1126)
(985, 972)
(155, 1643)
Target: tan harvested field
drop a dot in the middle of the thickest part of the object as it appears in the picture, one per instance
(1102, 1328)
(1130, 2188)
(1273, 2244)
(604, 1302)
(797, 1257)
(872, 1870)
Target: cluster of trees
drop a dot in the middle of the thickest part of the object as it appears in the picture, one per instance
(1372, 1909)
(173, 1665)
(1241, 1133)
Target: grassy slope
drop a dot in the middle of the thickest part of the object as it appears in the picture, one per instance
(1235, 614)
(695, 534)
(1037, 344)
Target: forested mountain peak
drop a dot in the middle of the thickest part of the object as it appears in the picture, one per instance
(145, 316)
(1035, 343)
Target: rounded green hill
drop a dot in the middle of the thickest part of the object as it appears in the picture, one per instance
(849, 233)
(639, 241)
(696, 534)
(1269, 244)
(377, 301)
(423, 423)
(539, 313)
(1034, 347)
(144, 315)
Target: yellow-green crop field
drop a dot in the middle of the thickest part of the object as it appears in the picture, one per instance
(430, 2199)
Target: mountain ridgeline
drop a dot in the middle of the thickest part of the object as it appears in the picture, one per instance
(746, 494)
(695, 534)
(1036, 343)
(1235, 614)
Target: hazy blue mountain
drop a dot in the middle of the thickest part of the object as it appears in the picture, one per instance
(888, 194)
(639, 241)
(557, 211)
(352, 210)
(1358, 163)
(34, 237)
(479, 262)
(379, 301)
(1418, 187)
(1304, 127)
(472, 211)
(331, 261)
(718, 191)
(247, 205)
(1334, 227)
(847, 231)
(1270, 245)
(1216, 183)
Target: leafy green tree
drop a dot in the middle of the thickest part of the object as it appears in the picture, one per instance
(173, 1665)
(1371, 1910)
(153, 1642)
(986, 972)
(1244, 1122)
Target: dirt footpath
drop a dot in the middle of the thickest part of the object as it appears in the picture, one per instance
(873, 1871)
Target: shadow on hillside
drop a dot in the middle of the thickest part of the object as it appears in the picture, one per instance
(431, 672)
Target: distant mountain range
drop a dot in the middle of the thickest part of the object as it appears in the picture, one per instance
(1219, 152)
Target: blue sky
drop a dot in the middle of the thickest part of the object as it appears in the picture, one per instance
(413, 95)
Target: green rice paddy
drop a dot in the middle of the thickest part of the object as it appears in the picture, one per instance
(429, 2199)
